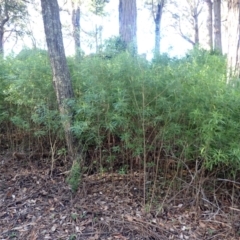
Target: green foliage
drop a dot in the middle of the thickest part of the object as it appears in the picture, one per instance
(3, 85)
(97, 7)
(184, 103)
(27, 97)
(74, 216)
(125, 107)
(74, 177)
(73, 237)
(16, 13)
(112, 47)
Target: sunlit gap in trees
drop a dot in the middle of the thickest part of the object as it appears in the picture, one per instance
(171, 42)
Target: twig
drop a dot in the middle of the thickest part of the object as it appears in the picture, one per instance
(235, 209)
(227, 180)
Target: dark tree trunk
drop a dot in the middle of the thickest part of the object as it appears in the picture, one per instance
(217, 26)
(76, 28)
(1, 41)
(128, 23)
(196, 27)
(233, 38)
(61, 75)
(210, 24)
(4, 18)
(157, 21)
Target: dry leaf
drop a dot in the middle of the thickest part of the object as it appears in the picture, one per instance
(202, 225)
(54, 227)
(129, 218)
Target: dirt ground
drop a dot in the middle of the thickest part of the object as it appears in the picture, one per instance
(36, 203)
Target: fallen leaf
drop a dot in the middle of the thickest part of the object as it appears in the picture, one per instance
(129, 218)
(202, 225)
(54, 227)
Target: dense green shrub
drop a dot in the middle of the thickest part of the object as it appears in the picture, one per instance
(74, 177)
(127, 107)
(185, 104)
(3, 85)
(28, 94)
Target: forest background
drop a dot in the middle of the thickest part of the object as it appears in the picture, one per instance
(171, 41)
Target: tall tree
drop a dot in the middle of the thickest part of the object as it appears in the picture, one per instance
(195, 10)
(157, 11)
(97, 8)
(217, 25)
(190, 15)
(73, 9)
(234, 38)
(61, 75)
(128, 23)
(76, 26)
(12, 14)
(209, 24)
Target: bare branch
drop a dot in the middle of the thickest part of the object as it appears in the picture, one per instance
(184, 36)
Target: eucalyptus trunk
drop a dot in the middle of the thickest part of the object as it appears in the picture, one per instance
(1, 41)
(209, 24)
(196, 26)
(217, 26)
(61, 75)
(157, 21)
(233, 38)
(76, 14)
(4, 18)
(128, 23)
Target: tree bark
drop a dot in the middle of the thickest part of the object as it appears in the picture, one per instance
(1, 41)
(4, 18)
(217, 26)
(196, 26)
(157, 21)
(209, 24)
(76, 27)
(128, 23)
(61, 75)
(233, 39)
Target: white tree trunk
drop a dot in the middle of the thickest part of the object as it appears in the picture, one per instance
(233, 38)
(76, 14)
(217, 26)
(209, 24)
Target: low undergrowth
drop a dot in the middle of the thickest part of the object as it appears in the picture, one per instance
(129, 114)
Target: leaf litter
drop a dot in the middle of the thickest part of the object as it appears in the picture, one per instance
(37, 205)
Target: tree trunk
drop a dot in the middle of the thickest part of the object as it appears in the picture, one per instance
(1, 41)
(210, 24)
(196, 27)
(217, 26)
(98, 38)
(128, 23)
(157, 20)
(233, 38)
(195, 8)
(61, 75)
(4, 18)
(76, 28)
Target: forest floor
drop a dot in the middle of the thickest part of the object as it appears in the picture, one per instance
(37, 204)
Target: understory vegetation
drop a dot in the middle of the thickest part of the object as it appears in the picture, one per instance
(129, 113)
